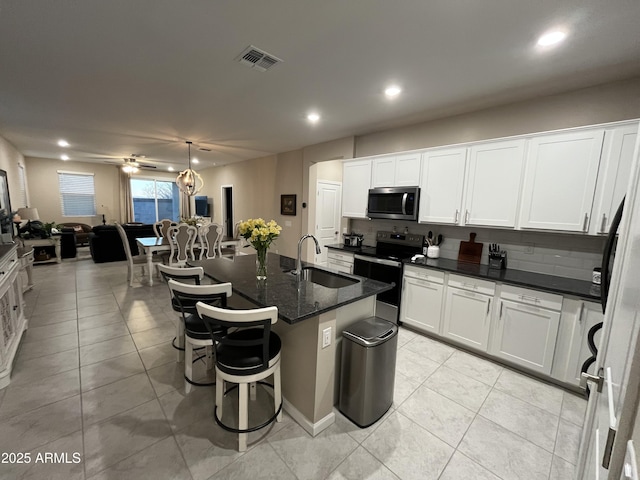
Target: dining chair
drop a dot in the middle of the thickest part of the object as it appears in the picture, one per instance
(196, 334)
(182, 239)
(132, 260)
(249, 354)
(192, 275)
(210, 237)
(161, 227)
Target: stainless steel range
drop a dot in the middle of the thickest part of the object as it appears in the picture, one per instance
(384, 263)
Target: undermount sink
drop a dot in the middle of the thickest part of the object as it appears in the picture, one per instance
(326, 279)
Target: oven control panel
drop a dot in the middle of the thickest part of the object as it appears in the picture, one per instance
(409, 239)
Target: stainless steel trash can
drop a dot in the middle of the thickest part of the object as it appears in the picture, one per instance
(368, 370)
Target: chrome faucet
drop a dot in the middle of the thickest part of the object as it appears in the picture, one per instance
(298, 260)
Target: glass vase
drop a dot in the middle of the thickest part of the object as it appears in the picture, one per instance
(261, 263)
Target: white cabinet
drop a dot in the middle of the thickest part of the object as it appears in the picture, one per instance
(467, 311)
(577, 318)
(396, 171)
(526, 328)
(613, 176)
(340, 261)
(560, 180)
(422, 296)
(493, 185)
(356, 181)
(11, 314)
(441, 185)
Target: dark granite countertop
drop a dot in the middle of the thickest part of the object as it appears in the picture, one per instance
(536, 281)
(295, 301)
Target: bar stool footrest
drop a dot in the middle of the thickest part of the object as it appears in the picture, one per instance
(251, 429)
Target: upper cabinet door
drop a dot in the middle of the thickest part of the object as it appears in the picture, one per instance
(407, 172)
(356, 181)
(493, 187)
(560, 181)
(613, 178)
(442, 185)
(384, 171)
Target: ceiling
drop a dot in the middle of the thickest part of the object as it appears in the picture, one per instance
(123, 77)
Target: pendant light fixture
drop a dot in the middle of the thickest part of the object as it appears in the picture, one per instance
(189, 181)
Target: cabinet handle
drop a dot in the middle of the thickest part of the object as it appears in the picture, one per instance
(604, 223)
(15, 307)
(501, 305)
(586, 222)
(527, 298)
(466, 216)
(581, 312)
(470, 285)
(456, 219)
(488, 307)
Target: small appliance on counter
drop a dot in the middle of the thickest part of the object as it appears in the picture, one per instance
(353, 239)
(497, 257)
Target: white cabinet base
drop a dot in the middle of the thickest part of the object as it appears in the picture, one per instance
(526, 335)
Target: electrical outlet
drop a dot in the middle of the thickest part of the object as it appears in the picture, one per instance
(326, 337)
(528, 248)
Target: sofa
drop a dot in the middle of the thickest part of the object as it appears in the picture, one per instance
(105, 244)
(82, 231)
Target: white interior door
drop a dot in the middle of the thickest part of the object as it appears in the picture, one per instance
(611, 413)
(328, 196)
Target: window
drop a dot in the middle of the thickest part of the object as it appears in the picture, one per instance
(154, 200)
(77, 194)
(22, 193)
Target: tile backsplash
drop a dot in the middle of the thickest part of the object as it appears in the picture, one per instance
(563, 255)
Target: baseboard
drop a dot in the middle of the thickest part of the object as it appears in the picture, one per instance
(312, 428)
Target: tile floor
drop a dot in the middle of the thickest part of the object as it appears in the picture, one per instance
(96, 375)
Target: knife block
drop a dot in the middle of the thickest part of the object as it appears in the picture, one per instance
(498, 261)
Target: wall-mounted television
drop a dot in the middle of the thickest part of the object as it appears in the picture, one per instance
(202, 206)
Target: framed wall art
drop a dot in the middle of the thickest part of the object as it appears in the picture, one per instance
(287, 204)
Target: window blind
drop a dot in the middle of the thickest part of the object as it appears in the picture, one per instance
(77, 194)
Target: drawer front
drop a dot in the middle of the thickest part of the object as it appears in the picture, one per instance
(472, 284)
(532, 297)
(424, 274)
(343, 267)
(342, 257)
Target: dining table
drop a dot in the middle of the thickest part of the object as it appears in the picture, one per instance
(151, 245)
(154, 245)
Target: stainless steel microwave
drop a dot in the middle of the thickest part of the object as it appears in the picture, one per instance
(394, 203)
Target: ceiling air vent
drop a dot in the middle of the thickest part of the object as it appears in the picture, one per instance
(259, 59)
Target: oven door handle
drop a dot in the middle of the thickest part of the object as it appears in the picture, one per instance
(404, 203)
(381, 261)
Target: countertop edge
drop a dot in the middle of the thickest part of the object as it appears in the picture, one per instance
(580, 291)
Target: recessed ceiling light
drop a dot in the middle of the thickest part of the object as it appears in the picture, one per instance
(170, 169)
(64, 157)
(313, 117)
(392, 91)
(551, 38)
(63, 143)
(195, 160)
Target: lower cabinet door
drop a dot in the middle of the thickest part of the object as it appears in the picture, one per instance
(467, 318)
(421, 304)
(526, 335)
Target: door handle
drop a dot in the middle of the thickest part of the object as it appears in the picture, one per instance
(597, 379)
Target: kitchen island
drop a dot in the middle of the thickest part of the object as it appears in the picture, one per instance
(306, 310)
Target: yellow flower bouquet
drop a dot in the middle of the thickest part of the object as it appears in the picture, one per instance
(260, 235)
